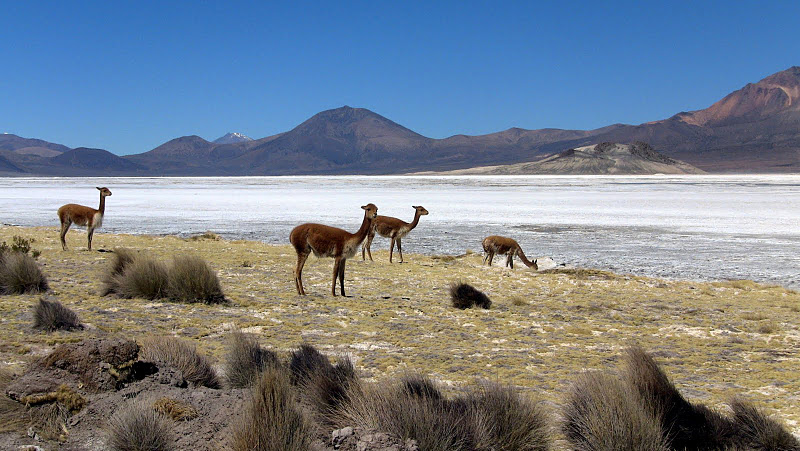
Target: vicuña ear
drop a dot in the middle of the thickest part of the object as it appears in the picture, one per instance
(99, 189)
(363, 207)
(415, 206)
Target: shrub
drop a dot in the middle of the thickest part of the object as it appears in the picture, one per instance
(20, 245)
(465, 296)
(138, 427)
(325, 392)
(19, 274)
(144, 278)
(192, 280)
(175, 409)
(51, 315)
(603, 410)
(181, 355)
(246, 359)
(511, 421)
(756, 431)
(272, 420)
(121, 259)
(686, 425)
(305, 362)
(417, 385)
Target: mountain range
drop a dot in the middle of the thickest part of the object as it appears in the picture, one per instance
(753, 129)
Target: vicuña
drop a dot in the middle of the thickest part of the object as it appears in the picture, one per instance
(393, 228)
(505, 246)
(327, 241)
(83, 216)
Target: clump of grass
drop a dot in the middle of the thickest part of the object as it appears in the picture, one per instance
(20, 245)
(326, 391)
(51, 315)
(603, 410)
(144, 278)
(464, 296)
(754, 316)
(175, 409)
(246, 359)
(205, 236)
(19, 274)
(769, 327)
(511, 421)
(181, 355)
(757, 431)
(247, 264)
(306, 361)
(272, 420)
(192, 280)
(12, 414)
(138, 427)
(121, 259)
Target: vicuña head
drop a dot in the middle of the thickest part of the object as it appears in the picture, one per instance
(393, 228)
(505, 246)
(327, 241)
(83, 216)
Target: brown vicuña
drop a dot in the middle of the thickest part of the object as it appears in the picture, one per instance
(393, 228)
(327, 241)
(505, 246)
(83, 216)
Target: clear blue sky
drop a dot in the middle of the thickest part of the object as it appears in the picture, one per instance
(128, 76)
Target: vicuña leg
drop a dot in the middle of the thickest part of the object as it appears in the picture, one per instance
(491, 257)
(341, 276)
(367, 246)
(400, 249)
(336, 264)
(298, 273)
(391, 250)
(89, 235)
(64, 228)
(510, 261)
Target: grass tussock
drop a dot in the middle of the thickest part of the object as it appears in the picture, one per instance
(188, 279)
(12, 414)
(758, 432)
(51, 315)
(602, 410)
(205, 236)
(19, 274)
(583, 273)
(272, 420)
(510, 420)
(138, 427)
(192, 280)
(306, 361)
(464, 296)
(246, 359)
(182, 355)
(175, 409)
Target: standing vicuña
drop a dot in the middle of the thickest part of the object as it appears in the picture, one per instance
(82, 216)
(327, 241)
(393, 228)
(501, 245)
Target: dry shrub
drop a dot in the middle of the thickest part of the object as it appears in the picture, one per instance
(175, 409)
(245, 359)
(192, 280)
(686, 425)
(602, 412)
(49, 420)
(305, 362)
(121, 259)
(144, 277)
(51, 315)
(182, 355)
(511, 421)
(138, 427)
(465, 296)
(325, 392)
(272, 420)
(19, 274)
(758, 432)
(13, 416)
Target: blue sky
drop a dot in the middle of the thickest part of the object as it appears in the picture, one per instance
(128, 76)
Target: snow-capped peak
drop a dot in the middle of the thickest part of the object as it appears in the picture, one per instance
(232, 137)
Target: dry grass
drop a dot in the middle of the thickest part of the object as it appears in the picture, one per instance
(192, 280)
(246, 359)
(464, 296)
(19, 274)
(272, 420)
(144, 277)
(602, 412)
(175, 409)
(758, 432)
(121, 259)
(51, 315)
(138, 427)
(182, 355)
(12, 414)
(511, 421)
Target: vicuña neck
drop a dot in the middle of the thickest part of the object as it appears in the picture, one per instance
(102, 208)
(414, 222)
(364, 229)
(524, 259)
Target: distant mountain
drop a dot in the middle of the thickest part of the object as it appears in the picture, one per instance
(83, 160)
(753, 129)
(27, 146)
(597, 159)
(7, 167)
(232, 138)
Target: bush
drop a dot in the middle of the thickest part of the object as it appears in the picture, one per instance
(181, 355)
(144, 278)
(19, 274)
(138, 427)
(121, 259)
(175, 409)
(192, 280)
(603, 410)
(272, 420)
(465, 296)
(51, 315)
(511, 421)
(20, 245)
(246, 359)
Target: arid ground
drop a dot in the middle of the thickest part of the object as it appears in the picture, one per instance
(715, 340)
